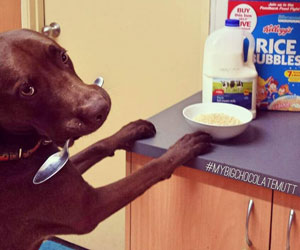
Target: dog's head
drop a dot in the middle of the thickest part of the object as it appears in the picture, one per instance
(40, 91)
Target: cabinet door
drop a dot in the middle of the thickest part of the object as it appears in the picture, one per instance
(195, 210)
(283, 203)
(10, 15)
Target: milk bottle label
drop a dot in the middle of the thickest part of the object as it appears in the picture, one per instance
(234, 91)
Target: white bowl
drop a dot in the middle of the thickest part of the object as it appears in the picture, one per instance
(218, 132)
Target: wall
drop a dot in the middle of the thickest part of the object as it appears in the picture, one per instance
(218, 14)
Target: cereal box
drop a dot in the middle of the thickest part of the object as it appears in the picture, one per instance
(275, 26)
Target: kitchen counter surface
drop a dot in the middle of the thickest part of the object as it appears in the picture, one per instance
(267, 154)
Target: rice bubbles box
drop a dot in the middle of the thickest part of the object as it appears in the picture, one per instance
(275, 26)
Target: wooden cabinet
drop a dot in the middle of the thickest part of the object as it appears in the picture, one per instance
(282, 205)
(196, 210)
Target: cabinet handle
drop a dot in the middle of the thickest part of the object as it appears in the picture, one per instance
(291, 217)
(250, 207)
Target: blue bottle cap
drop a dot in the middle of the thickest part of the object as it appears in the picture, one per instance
(232, 22)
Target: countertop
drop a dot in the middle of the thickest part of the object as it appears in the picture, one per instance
(267, 154)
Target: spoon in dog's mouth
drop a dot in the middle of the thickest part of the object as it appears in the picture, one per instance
(52, 165)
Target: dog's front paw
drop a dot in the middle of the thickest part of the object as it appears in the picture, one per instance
(188, 147)
(140, 129)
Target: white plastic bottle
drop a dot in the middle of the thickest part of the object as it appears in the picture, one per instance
(226, 77)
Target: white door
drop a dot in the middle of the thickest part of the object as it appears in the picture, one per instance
(150, 56)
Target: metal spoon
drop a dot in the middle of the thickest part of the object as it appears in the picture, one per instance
(52, 165)
(99, 81)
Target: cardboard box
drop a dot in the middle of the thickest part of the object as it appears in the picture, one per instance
(275, 26)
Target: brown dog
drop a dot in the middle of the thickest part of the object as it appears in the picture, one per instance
(41, 97)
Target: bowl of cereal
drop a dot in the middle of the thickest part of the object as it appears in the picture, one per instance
(221, 120)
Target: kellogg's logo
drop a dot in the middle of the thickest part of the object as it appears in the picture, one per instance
(277, 29)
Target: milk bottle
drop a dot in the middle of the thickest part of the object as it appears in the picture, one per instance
(227, 77)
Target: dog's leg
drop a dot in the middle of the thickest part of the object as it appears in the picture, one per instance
(123, 139)
(109, 199)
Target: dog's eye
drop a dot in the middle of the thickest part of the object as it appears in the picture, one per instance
(64, 57)
(27, 90)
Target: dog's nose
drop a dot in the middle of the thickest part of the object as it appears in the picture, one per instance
(94, 111)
